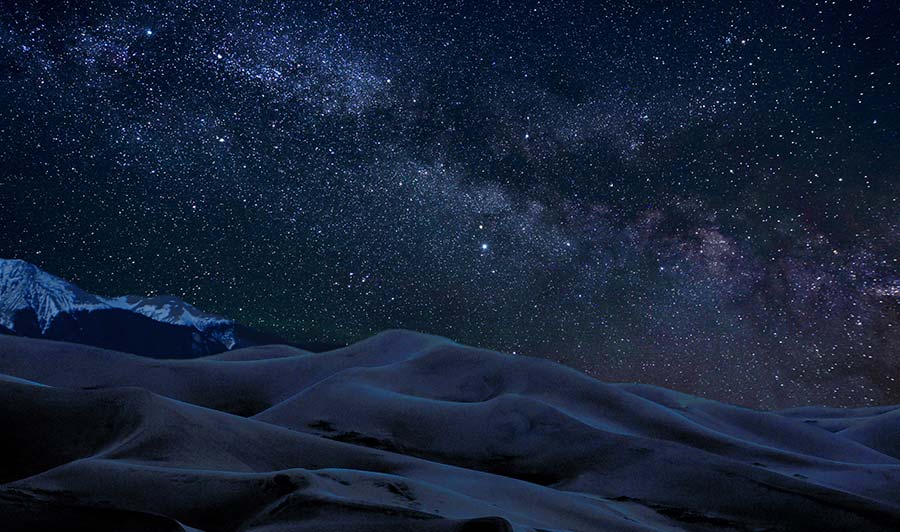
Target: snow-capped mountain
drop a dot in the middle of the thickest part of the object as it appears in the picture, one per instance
(25, 286)
(35, 303)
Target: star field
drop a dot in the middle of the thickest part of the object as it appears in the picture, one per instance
(698, 195)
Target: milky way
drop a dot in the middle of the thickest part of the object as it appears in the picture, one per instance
(701, 196)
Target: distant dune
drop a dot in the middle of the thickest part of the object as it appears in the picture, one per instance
(405, 431)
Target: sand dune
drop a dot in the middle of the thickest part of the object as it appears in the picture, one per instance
(405, 431)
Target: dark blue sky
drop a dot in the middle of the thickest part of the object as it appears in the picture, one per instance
(700, 195)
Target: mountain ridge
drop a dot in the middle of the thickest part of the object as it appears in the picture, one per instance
(23, 285)
(37, 304)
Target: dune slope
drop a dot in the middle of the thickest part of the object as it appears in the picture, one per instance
(405, 431)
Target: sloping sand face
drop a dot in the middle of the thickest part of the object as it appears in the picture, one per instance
(413, 432)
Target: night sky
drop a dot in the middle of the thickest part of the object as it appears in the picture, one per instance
(698, 195)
